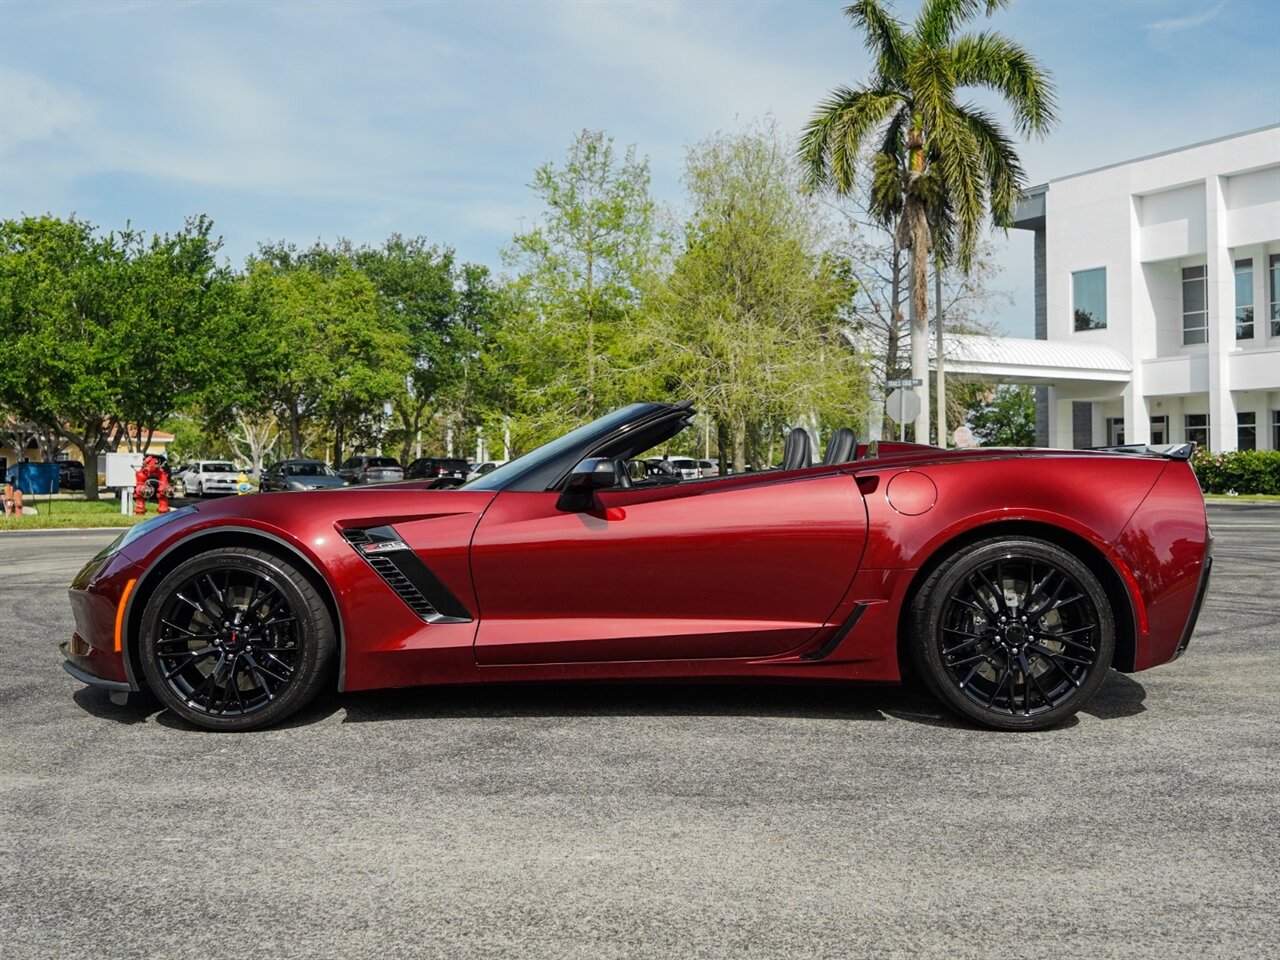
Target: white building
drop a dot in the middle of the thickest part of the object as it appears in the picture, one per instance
(1162, 276)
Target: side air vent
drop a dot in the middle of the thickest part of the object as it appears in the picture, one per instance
(405, 573)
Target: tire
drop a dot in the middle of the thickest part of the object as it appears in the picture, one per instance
(200, 490)
(1025, 656)
(236, 639)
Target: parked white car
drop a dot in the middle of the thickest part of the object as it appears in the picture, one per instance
(487, 467)
(209, 476)
(695, 469)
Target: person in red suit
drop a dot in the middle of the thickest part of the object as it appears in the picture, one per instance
(149, 470)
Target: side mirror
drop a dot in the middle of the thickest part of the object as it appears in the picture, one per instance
(595, 473)
(592, 474)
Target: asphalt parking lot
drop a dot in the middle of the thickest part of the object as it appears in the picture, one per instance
(646, 821)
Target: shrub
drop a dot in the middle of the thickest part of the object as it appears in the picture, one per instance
(1244, 471)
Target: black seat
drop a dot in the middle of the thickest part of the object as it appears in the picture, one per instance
(841, 447)
(797, 453)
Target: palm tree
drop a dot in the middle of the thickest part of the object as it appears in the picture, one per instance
(938, 165)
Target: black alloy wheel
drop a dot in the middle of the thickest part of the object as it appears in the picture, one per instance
(1016, 634)
(235, 639)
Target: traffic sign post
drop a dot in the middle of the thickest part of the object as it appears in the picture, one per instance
(902, 405)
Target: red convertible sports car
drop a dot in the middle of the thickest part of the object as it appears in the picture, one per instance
(1010, 581)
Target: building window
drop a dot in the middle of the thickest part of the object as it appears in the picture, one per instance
(1195, 314)
(1115, 431)
(1197, 427)
(1244, 299)
(1275, 429)
(1275, 297)
(1247, 431)
(1159, 430)
(1089, 298)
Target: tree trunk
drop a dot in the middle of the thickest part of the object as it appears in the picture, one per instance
(919, 226)
(739, 445)
(295, 430)
(338, 436)
(892, 371)
(591, 339)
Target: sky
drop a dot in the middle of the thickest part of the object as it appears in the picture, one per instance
(313, 121)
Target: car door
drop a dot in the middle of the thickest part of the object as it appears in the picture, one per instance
(737, 567)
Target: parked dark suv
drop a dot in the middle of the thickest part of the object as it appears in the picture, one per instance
(432, 468)
(71, 474)
(364, 469)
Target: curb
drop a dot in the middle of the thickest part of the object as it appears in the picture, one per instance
(16, 532)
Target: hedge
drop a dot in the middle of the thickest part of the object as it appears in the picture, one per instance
(1244, 471)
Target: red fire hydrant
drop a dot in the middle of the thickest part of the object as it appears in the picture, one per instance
(150, 470)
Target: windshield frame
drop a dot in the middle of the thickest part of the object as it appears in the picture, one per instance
(546, 467)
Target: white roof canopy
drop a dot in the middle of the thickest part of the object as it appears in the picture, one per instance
(1043, 362)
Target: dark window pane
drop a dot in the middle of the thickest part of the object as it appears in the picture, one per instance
(1193, 296)
(1197, 428)
(1089, 298)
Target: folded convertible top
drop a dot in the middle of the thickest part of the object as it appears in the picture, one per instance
(1170, 451)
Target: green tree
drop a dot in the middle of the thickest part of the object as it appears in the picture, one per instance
(316, 349)
(104, 332)
(565, 352)
(1004, 416)
(172, 299)
(751, 321)
(443, 308)
(939, 165)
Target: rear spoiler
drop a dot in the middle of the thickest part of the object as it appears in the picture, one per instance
(1170, 451)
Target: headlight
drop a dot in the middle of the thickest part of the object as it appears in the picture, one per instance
(138, 530)
(297, 485)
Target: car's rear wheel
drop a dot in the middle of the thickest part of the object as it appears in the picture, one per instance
(236, 638)
(1016, 633)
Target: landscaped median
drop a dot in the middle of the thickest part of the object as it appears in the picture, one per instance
(62, 514)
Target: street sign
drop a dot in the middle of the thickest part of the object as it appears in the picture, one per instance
(890, 384)
(902, 405)
(963, 437)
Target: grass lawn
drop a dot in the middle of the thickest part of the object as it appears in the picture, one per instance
(72, 513)
(1252, 497)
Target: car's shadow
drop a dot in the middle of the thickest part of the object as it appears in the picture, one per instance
(1120, 696)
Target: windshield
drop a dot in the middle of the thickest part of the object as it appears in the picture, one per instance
(309, 470)
(219, 468)
(383, 462)
(529, 463)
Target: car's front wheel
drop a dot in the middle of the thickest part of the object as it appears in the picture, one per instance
(1014, 633)
(236, 638)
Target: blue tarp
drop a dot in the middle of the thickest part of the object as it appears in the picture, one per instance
(33, 478)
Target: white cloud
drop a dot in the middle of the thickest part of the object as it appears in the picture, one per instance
(34, 110)
(1174, 24)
